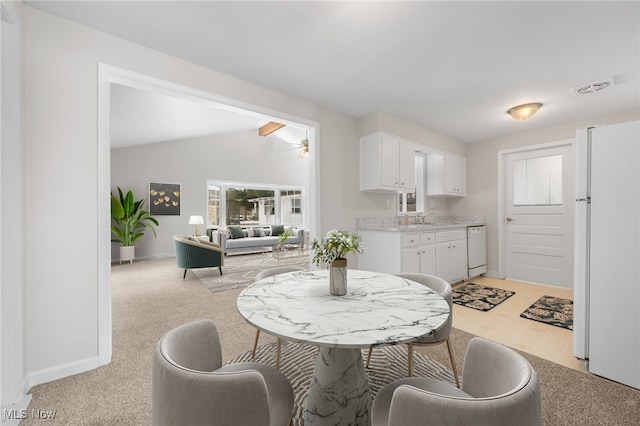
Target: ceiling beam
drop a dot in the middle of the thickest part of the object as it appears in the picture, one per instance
(269, 128)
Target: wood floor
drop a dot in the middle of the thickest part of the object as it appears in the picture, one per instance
(504, 324)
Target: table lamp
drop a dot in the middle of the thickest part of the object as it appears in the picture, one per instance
(195, 221)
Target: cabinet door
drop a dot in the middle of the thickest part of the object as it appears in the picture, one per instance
(428, 260)
(407, 172)
(458, 260)
(390, 166)
(443, 261)
(455, 174)
(411, 260)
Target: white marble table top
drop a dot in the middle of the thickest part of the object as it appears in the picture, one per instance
(377, 309)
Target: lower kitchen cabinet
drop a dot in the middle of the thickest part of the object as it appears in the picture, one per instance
(451, 255)
(440, 253)
(421, 256)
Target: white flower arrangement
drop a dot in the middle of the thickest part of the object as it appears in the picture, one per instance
(336, 245)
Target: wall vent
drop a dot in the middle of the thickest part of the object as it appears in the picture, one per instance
(596, 86)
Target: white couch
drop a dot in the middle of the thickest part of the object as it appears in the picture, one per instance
(254, 239)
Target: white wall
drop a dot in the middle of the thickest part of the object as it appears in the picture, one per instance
(482, 172)
(240, 156)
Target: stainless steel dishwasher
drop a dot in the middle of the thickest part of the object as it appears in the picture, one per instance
(476, 250)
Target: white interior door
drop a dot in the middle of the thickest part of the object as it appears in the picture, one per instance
(538, 206)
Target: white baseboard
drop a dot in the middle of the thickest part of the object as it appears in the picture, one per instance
(492, 274)
(61, 371)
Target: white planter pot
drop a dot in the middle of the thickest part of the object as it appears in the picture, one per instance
(127, 253)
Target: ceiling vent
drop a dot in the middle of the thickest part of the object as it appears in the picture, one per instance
(593, 87)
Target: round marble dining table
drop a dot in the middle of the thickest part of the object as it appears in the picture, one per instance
(378, 309)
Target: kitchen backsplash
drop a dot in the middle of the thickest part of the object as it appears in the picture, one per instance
(363, 222)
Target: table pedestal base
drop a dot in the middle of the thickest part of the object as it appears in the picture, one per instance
(339, 392)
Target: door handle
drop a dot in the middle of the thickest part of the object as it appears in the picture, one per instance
(509, 219)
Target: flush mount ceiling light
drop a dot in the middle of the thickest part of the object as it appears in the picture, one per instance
(269, 128)
(524, 111)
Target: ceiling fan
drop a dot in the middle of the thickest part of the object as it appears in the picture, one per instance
(303, 146)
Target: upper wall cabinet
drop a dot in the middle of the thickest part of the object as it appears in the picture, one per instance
(387, 163)
(446, 175)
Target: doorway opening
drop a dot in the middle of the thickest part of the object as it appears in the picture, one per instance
(109, 75)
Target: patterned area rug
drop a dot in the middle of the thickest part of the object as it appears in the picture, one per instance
(241, 270)
(479, 297)
(551, 310)
(387, 364)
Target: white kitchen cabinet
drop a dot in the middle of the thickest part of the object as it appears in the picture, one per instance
(398, 252)
(446, 175)
(451, 255)
(387, 163)
(419, 254)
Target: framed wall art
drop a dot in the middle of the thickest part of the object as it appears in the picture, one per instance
(164, 198)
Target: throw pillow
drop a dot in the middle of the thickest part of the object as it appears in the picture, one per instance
(236, 232)
(277, 230)
(192, 238)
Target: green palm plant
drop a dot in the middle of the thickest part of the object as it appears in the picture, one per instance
(130, 219)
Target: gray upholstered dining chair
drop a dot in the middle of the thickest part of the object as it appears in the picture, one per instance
(499, 388)
(191, 387)
(442, 333)
(266, 273)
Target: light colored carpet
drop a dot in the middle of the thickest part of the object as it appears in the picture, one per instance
(150, 298)
(240, 270)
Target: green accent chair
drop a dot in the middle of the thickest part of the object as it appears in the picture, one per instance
(192, 253)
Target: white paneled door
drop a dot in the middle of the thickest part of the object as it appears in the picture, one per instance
(538, 205)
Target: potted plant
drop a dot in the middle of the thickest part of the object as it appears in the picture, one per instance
(130, 222)
(333, 250)
(282, 238)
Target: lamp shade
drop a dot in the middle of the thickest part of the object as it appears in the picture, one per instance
(524, 111)
(196, 220)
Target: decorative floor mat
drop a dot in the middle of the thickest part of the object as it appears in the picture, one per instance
(551, 310)
(479, 297)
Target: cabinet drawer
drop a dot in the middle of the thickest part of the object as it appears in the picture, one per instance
(410, 240)
(427, 238)
(443, 236)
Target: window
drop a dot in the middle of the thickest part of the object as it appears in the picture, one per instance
(414, 201)
(247, 206)
(538, 181)
(240, 203)
(291, 207)
(213, 205)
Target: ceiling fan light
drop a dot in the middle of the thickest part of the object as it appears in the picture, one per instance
(524, 111)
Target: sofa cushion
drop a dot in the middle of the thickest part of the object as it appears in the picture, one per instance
(255, 232)
(276, 230)
(236, 232)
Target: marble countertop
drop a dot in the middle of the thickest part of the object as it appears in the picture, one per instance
(377, 309)
(429, 223)
(417, 227)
